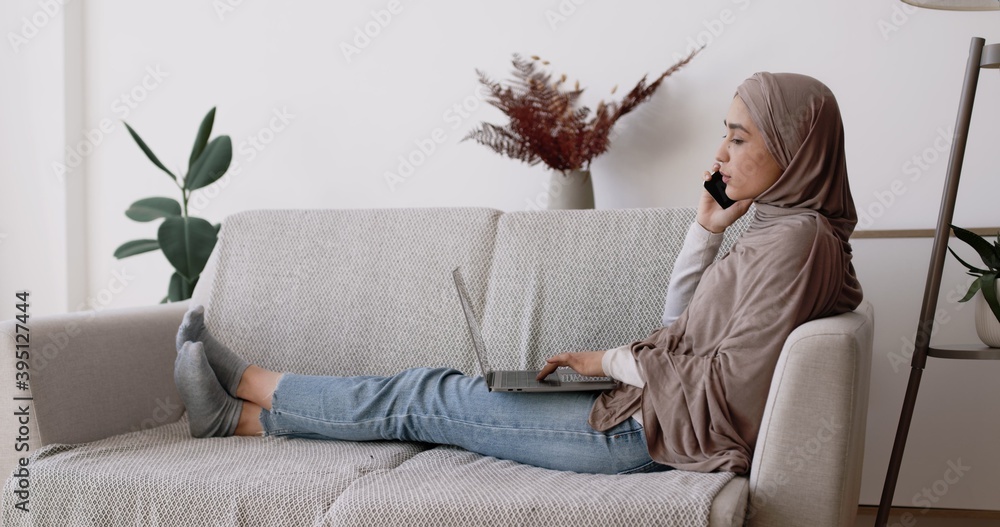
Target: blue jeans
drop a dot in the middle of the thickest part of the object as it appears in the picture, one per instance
(444, 406)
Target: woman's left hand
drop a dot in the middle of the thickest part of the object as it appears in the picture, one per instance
(582, 362)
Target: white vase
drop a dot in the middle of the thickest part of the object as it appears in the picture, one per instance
(571, 190)
(987, 325)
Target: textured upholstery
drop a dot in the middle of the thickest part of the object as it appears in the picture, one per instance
(75, 357)
(574, 280)
(163, 476)
(807, 464)
(369, 291)
(469, 489)
(356, 291)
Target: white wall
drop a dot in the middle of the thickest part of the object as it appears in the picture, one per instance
(896, 72)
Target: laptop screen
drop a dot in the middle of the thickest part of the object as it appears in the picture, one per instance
(477, 337)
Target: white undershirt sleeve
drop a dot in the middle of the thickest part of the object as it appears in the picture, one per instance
(698, 252)
(619, 364)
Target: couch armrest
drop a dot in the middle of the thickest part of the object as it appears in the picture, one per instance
(806, 468)
(93, 374)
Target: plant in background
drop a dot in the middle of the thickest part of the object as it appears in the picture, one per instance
(990, 254)
(186, 241)
(547, 124)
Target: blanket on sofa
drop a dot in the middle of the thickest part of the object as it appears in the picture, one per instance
(163, 476)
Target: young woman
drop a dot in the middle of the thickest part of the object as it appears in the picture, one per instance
(691, 394)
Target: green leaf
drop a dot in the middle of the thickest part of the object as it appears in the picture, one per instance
(135, 247)
(187, 244)
(164, 301)
(179, 289)
(203, 132)
(150, 209)
(984, 248)
(211, 164)
(218, 227)
(973, 289)
(974, 271)
(989, 287)
(149, 153)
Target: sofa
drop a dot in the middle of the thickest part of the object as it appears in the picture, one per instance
(315, 291)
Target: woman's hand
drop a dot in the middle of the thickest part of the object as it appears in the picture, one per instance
(712, 216)
(583, 362)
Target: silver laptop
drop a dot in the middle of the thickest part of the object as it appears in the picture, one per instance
(563, 380)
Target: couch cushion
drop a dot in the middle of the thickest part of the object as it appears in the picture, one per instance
(450, 486)
(573, 280)
(163, 476)
(349, 292)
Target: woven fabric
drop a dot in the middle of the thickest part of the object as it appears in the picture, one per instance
(369, 291)
(576, 280)
(450, 486)
(350, 292)
(163, 476)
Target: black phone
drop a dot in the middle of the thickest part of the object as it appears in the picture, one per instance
(717, 188)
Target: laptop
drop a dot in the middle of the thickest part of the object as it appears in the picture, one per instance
(563, 380)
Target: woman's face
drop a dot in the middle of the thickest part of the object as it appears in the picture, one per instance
(747, 168)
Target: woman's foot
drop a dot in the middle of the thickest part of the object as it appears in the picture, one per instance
(211, 411)
(228, 366)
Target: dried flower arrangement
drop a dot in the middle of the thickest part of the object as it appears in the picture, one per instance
(546, 124)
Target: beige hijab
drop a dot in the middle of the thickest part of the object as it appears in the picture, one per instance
(708, 374)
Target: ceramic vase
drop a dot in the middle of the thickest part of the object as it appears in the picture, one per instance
(987, 325)
(571, 190)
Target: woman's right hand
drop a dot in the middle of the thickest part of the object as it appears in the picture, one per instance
(712, 216)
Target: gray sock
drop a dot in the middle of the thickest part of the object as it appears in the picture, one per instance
(211, 411)
(228, 366)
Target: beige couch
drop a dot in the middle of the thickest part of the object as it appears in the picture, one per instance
(315, 291)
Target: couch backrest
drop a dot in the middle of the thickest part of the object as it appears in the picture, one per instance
(369, 291)
(349, 291)
(575, 280)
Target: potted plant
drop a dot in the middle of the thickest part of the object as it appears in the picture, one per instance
(987, 306)
(186, 241)
(547, 125)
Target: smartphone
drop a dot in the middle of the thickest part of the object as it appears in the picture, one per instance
(717, 188)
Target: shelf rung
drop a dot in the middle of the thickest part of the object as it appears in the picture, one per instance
(964, 351)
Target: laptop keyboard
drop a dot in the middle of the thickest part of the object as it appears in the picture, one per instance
(526, 379)
(576, 377)
(519, 379)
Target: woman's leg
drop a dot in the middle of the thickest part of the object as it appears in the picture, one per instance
(439, 406)
(444, 406)
(255, 388)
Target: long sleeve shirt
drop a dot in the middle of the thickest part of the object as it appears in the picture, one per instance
(698, 252)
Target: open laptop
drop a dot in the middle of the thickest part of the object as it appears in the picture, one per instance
(563, 380)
